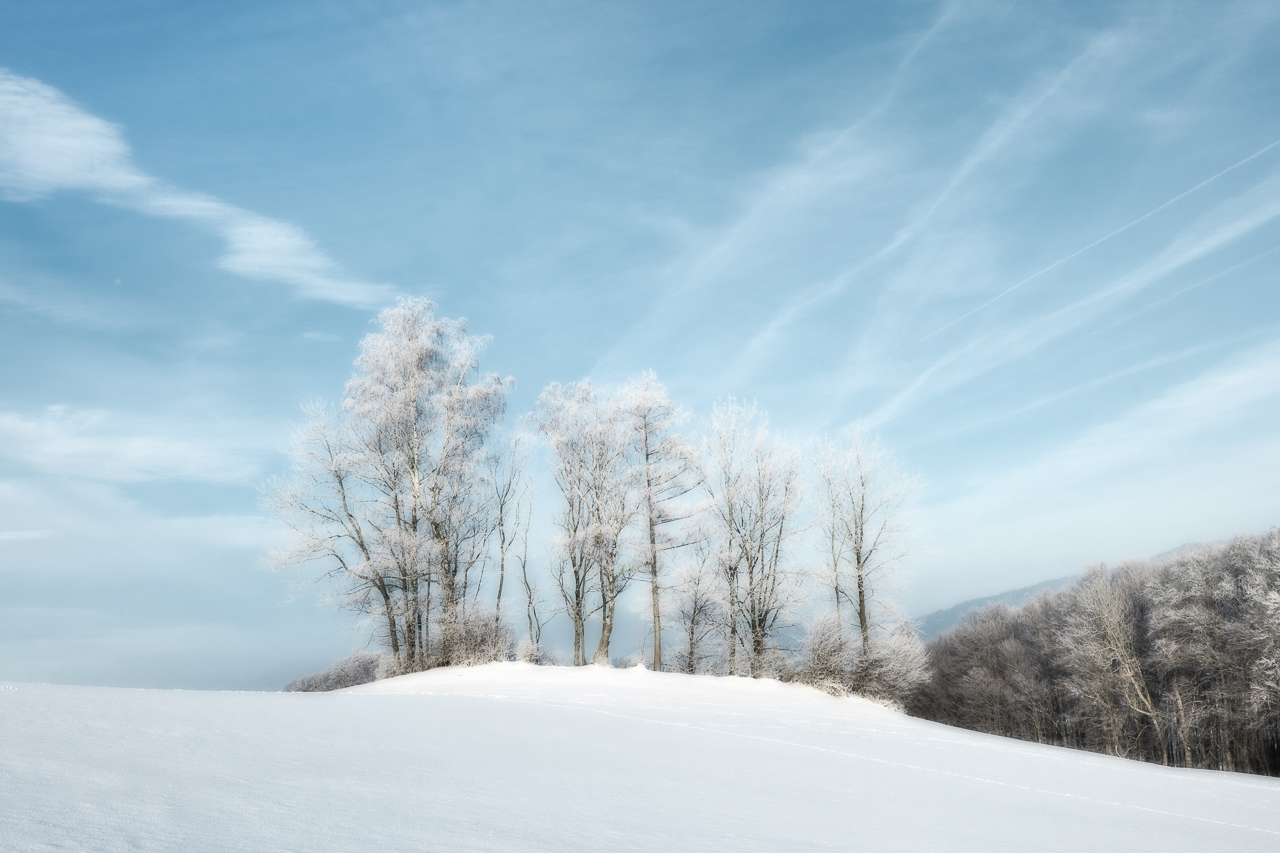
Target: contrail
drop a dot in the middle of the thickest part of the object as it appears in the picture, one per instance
(1213, 277)
(1099, 241)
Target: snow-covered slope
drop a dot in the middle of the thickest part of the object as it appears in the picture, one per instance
(513, 757)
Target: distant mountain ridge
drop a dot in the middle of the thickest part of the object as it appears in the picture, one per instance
(941, 621)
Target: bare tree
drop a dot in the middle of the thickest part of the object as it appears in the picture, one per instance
(509, 482)
(389, 493)
(557, 417)
(669, 472)
(531, 601)
(754, 494)
(1102, 646)
(861, 514)
(335, 518)
(590, 437)
(699, 614)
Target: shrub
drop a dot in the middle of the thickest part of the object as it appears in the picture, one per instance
(826, 660)
(356, 668)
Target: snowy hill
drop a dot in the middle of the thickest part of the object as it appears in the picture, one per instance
(514, 757)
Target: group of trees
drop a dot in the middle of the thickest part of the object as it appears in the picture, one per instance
(624, 477)
(1176, 662)
(413, 503)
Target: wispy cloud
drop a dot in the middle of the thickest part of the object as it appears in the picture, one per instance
(1001, 132)
(46, 296)
(96, 445)
(1156, 431)
(1246, 262)
(1103, 239)
(24, 535)
(856, 253)
(1156, 362)
(1222, 225)
(1149, 431)
(48, 144)
(777, 209)
(998, 135)
(855, 204)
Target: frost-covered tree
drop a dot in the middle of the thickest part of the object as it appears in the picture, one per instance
(1103, 642)
(533, 606)
(1214, 629)
(826, 659)
(893, 667)
(753, 492)
(863, 523)
(560, 418)
(668, 472)
(389, 494)
(590, 435)
(995, 672)
(508, 477)
(699, 615)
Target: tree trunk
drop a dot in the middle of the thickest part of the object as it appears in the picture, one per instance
(579, 620)
(653, 579)
(392, 631)
(426, 624)
(411, 627)
(862, 613)
(608, 603)
(690, 666)
(757, 650)
(448, 615)
(497, 607)
(733, 625)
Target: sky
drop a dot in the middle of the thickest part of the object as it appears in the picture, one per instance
(1032, 246)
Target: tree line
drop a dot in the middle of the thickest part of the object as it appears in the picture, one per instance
(414, 508)
(1175, 662)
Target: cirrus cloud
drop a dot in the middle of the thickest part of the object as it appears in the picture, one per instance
(48, 144)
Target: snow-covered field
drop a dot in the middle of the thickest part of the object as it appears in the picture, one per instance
(514, 757)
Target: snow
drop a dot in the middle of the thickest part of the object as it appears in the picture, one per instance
(515, 757)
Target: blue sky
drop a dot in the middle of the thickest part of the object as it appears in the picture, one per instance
(1034, 245)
